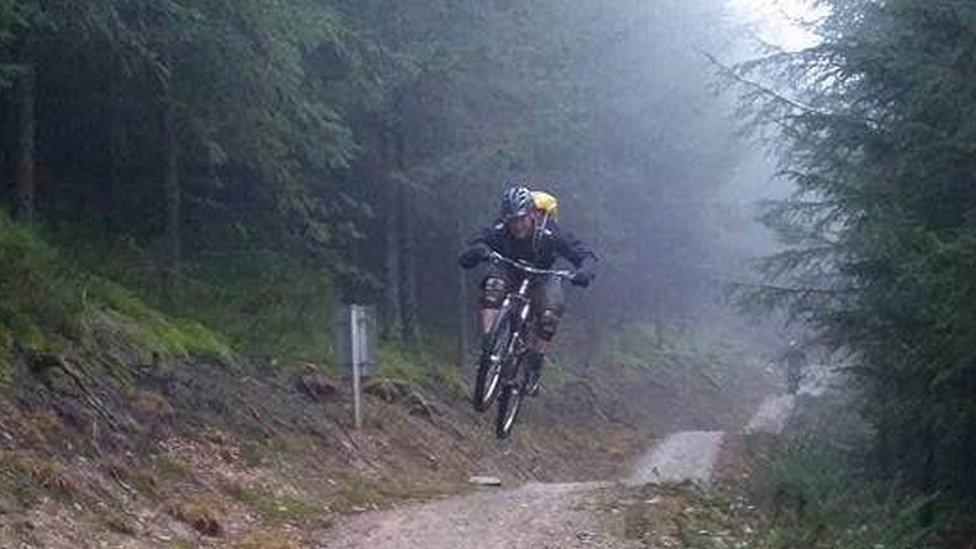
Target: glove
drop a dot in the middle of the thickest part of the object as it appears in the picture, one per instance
(473, 256)
(583, 277)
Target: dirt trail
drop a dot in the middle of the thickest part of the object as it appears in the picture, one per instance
(552, 515)
(688, 455)
(533, 515)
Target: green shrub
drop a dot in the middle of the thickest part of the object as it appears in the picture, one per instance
(820, 500)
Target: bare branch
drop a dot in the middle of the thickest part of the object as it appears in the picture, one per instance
(764, 90)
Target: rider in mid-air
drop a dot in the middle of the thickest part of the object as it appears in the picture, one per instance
(526, 232)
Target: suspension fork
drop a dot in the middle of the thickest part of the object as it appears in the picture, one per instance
(524, 304)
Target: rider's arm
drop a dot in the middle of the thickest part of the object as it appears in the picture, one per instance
(572, 248)
(478, 248)
(577, 253)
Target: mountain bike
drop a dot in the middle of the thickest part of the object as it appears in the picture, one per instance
(505, 346)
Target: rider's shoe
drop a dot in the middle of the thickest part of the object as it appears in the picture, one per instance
(533, 375)
(533, 381)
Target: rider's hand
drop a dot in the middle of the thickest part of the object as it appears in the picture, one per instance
(583, 277)
(473, 256)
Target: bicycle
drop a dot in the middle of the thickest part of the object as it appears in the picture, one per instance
(505, 345)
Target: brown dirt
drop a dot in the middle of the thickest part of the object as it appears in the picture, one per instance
(201, 454)
(533, 515)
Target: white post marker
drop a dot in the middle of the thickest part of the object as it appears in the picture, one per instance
(354, 315)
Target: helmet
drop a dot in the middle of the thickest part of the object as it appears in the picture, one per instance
(516, 202)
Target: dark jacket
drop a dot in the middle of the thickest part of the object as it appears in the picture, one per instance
(552, 242)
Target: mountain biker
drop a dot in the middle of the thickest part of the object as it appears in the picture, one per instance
(526, 231)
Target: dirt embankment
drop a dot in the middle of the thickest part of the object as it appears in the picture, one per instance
(660, 504)
(200, 453)
(197, 453)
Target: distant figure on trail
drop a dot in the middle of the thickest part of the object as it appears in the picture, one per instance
(795, 361)
(527, 232)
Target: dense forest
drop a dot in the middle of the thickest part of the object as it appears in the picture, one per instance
(233, 148)
(874, 126)
(250, 164)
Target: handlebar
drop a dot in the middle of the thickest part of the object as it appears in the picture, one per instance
(499, 258)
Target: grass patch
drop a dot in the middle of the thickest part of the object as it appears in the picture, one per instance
(265, 539)
(357, 492)
(823, 489)
(271, 508)
(118, 522)
(263, 302)
(820, 500)
(30, 473)
(688, 356)
(427, 367)
(171, 468)
(203, 515)
(47, 305)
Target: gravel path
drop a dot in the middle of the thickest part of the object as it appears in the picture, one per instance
(533, 515)
(772, 415)
(550, 515)
(688, 455)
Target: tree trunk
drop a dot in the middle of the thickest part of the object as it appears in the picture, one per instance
(171, 178)
(392, 314)
(464, 312)
(412, 332)
(26, 145)
(410, 291)
(118, 151)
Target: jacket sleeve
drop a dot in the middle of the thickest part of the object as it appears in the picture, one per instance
(487, 237)
(574, 250)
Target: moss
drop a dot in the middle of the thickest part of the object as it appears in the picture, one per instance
(261, 302)
(6, 356)
(420, 368)
(154, 331)
(46, 305)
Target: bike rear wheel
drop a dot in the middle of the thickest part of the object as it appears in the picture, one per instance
(509, 405)
(494, 354)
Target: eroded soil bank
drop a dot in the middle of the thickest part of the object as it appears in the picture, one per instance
(197, 453)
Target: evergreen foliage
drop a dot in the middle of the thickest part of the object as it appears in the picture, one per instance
(359, 142)
(880, 235)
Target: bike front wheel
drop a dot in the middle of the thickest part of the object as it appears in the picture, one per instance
(509, 405)
(493, 356)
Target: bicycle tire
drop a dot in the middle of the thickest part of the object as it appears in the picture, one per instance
(509, 406)
(493, 357)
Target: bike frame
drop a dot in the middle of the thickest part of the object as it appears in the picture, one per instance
(519, 301)
(499, 370)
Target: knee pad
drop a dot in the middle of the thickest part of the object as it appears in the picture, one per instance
(548, 324)
(494, 293)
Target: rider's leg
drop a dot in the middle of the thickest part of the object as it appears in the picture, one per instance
(486, 317)
(492, 295)
(548, 299)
